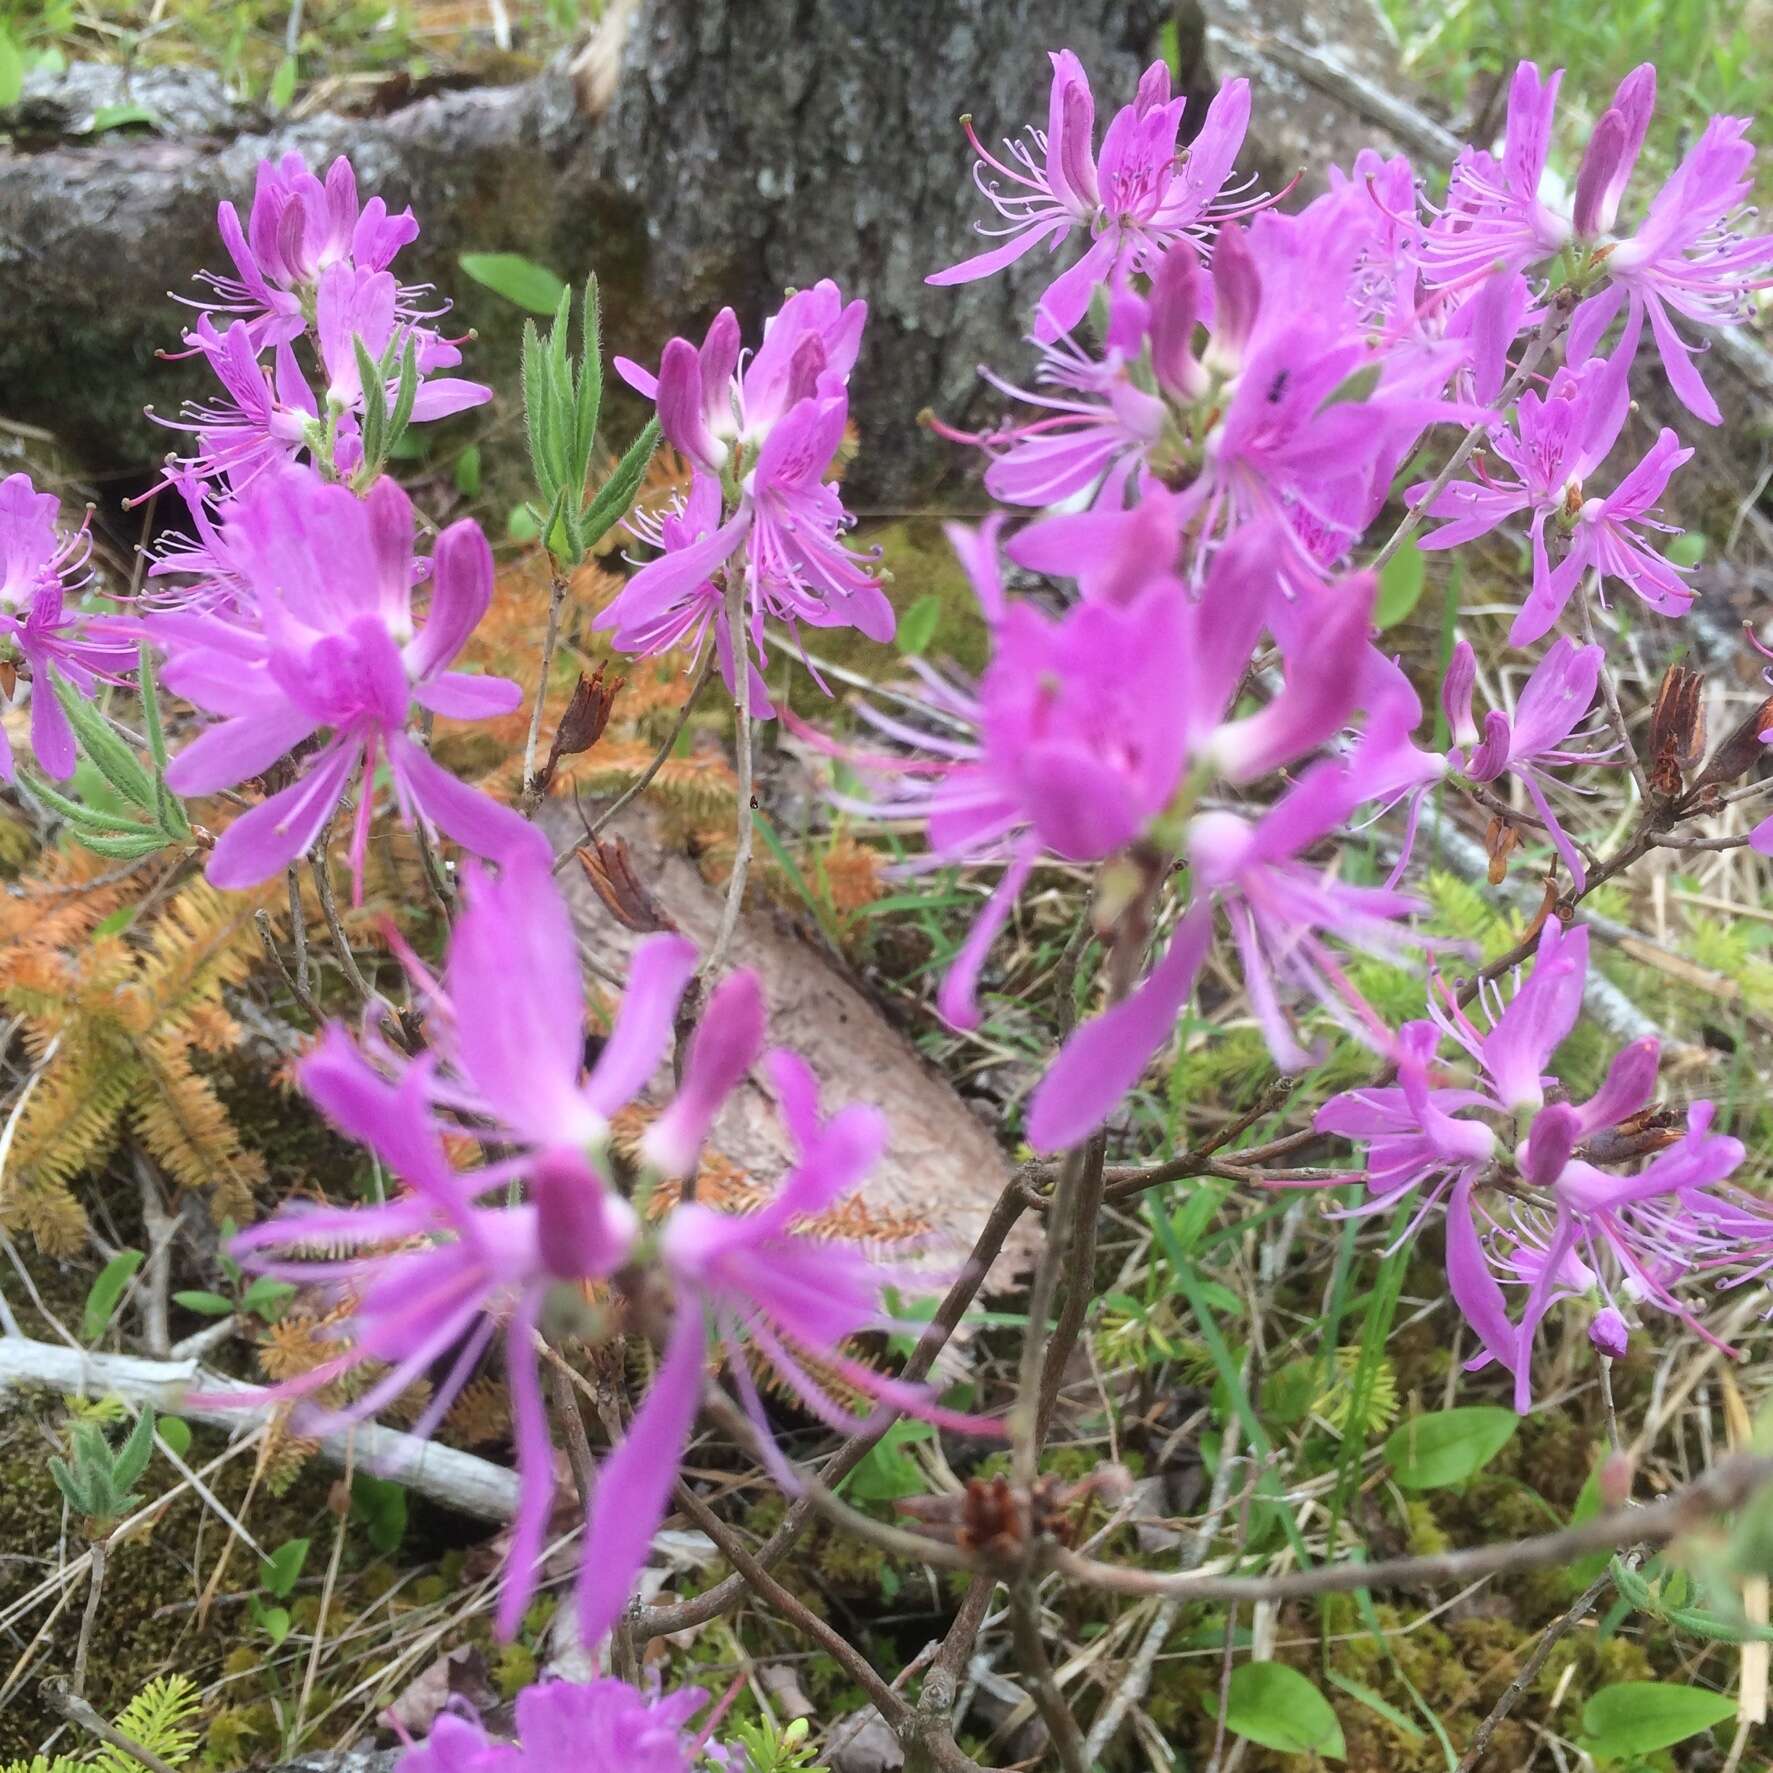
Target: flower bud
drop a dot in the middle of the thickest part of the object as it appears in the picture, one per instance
(1610, 1333)
(1456, 688)
(1606, 149)
(1614, 1480)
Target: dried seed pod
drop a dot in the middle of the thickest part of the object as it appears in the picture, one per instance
(1677, 730)
(1500, 840)
(582, 725)
(610, 870)
(1741, 751)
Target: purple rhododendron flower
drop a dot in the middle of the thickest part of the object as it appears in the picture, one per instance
(297, 230)
(761, 435)
(325, 641)
(457, 1265)
(562, 1725)
(42, 630)
(1136, 197)
(1691, 253)
(1552, 704)
(1577, 1229)
(1560, 439)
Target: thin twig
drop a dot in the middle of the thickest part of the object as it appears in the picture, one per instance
(735, 888)
(1610, 690)
(1548, 1642)
(1727, 1485)
(1032, 1659)
(159, 1227)
(95, 1587)
(644, 781)
(297, 988)
(326, 1588)
(321, 868)
(532, 789)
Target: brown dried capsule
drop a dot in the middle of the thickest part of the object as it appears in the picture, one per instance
(610, 870)
(581, 726)
(1677, 730)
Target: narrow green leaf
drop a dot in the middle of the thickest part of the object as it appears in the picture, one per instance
(588, 396)
(149, 690)
(176, 1433)
(617, 493)
(375, 408)
(121, 849)
(1276, 1707)
(103, 1296)
(519, 280)
(133, 1455)
(405, 394)
(99, 740)
(266, 1298)
(467, 471)
(204, 1304)
(283, 85)
(77, 813)
(1374, 1702)
(535, 410)
(1436, 1451)
(918, 625)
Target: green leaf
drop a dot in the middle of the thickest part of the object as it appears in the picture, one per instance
(272, 1621)
(120, 117)
(279, 1572)
(1276, 1707)
(283, 84)
(375, 407)
(266, 1298)
(521, 525)
(588, 396)
(1400, 585)
(406, 393)
(516, 278)
(1434, 1452)
(467, 471)
(1635, 1718)
(176, 1432)
(381, 1505)
(116, 923)
(1374, 1702)
(617, 493)
(122, 848)
(106, 1291)
(918, 625)
(148, 689)
(1687, 549)
(115, 761)
(204, 1304)
(133, 1455)
(12, 71)
(888, 1472)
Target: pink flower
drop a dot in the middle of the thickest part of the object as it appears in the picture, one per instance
(1138, 197)
(766, 435)
(1560, 439)
(325, 640)
(42, 573)
(506, 1042)
(1553, 702)
(561, 1725)
(748, 1279)
(1690, 255)
(297, 230)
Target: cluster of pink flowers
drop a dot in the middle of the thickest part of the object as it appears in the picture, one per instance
(1579, 1220)
(311, 279)
(760, 432)
(453, 1265)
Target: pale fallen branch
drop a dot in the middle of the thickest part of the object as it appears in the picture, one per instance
(444, 1475)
